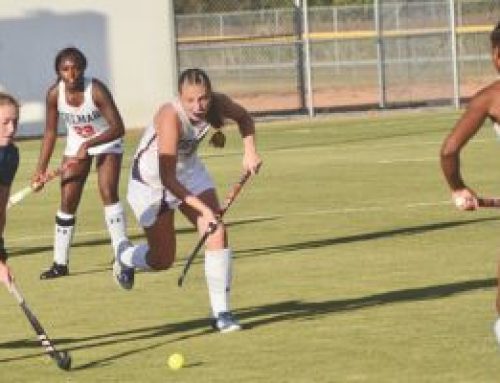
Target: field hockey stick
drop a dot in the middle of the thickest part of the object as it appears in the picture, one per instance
(235, 190)
(488, 202)
(62, 358)
(23, 193)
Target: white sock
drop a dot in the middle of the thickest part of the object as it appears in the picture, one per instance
(116, 222)
(65, 225)
(496, 329)
(135, 257)
(218, 276)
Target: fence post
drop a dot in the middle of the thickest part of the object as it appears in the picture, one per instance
(454, 56)
(308, 65)
(303, 56)
(172, 52)
(380, 53)
(298, 29)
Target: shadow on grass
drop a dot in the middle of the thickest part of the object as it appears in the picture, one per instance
(251, 317)
(184, 330)
(290, 310)
(20, 251)
(403, 231)
(306, 245)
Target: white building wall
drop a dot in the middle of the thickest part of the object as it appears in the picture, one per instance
(129, 45)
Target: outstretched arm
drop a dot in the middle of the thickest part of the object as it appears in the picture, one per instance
(49, 136)
(5, 274)
(466, 127)
(234, 111)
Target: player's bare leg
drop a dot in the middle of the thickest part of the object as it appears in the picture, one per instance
(72, 183)
(108, 170)
(157, 254)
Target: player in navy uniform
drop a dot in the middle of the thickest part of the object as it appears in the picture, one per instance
(485, 104)
(9, 161)
(167, 174)
(94, 129)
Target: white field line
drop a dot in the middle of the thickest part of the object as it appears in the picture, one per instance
(350, 146)
(346, 210)
(422, 159)
(336, 146)
(81, 234)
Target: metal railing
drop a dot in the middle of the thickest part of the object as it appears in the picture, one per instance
(391, 54)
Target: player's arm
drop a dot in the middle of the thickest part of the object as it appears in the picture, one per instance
(168, 127)
(104, 101)
(49, 136)
(246, 126)
(465, 128)
(5, 274)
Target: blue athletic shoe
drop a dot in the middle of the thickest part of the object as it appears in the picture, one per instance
(124, 275)
(225, 322)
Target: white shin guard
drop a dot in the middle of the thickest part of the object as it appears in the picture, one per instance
(64, 228)
(116, 223)
(218, 274)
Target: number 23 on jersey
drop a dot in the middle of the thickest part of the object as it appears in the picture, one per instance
(85, 131)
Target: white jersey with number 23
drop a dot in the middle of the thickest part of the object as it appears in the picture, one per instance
(84, 122)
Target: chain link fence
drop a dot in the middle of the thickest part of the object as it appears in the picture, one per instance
(387, 54)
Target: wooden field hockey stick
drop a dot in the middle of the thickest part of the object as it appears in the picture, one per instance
(62, 358)
(26, 191)
(235, 190)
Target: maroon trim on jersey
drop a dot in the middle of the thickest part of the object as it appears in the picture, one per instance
(136, 172)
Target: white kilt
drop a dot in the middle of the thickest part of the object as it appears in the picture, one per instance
(146, 200)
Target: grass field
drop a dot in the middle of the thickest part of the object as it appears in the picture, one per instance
(351, 266)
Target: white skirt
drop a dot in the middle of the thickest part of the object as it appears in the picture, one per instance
(146, 200)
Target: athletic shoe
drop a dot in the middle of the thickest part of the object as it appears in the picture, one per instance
(55, 271)
(225, 322)
(496, 329)
(124, 275)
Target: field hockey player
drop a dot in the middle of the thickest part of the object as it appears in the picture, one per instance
(95, 129)
(485, 104)
(167, 174)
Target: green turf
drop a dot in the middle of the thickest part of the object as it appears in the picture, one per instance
(350, 266)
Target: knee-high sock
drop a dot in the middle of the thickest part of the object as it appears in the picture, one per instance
(135, 257)
(65, 225)
(116, 223)
(218, 275)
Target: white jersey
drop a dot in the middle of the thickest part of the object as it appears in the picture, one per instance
(146, 157)
(84, 122)
(146, 193)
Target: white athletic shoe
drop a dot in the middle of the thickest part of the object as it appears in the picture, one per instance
(496, 329)
(123, 275)
(225, 322)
